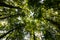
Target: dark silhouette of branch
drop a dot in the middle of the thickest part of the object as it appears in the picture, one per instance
(17, 27)
(34, 36)
(10, 6)
(15, 15)
(52, 4)
(7, 32)
(53, 22)
(49, 33)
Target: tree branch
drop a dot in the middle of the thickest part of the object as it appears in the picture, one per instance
(18, 27)
(6, 5)
(7, 32)
(9, 16)
(53, 22)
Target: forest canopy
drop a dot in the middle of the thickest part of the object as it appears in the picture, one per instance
(30, 19)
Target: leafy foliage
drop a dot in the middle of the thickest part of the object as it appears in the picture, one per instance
(38, 18)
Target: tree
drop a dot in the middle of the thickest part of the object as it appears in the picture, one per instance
(39, 19)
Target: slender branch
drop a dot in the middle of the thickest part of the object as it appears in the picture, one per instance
(34, 37)
(53, 22)
(48, 33)
(18, 27)
(9, 16)
(7, 32)
(10, 6)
